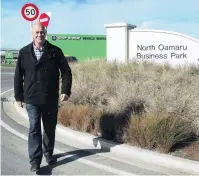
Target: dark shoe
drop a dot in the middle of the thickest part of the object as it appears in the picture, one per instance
(35, 167)
(50, 159)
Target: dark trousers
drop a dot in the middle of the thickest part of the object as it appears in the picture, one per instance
(48, 114)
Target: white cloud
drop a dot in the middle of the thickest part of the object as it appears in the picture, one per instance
(147, 24)
(180, 27)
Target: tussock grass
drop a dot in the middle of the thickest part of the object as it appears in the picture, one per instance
(160, 133)
(79, 117)
(172, 94)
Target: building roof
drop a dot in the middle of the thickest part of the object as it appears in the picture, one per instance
(9, 49)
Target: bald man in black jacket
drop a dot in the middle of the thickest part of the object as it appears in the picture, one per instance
(36, 83)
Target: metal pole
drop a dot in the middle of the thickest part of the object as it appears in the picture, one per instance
(46, 33)
(31, 29)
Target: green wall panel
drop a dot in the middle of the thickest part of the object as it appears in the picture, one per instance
(81, 46)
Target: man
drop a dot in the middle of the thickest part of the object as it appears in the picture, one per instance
(36, 83)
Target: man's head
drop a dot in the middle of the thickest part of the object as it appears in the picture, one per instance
(38, 33)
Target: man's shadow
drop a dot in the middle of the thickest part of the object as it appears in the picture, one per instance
(76, 154)
(110, 130)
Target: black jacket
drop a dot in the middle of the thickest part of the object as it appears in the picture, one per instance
(37, 82)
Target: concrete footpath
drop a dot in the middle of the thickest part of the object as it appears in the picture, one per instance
(153, 158)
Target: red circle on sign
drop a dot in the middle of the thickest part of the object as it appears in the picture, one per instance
(36, 12)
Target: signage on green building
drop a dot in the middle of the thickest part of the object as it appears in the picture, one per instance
(80, 46)
(9, 55)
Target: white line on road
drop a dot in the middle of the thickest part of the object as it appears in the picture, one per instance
(84, 161)
(6, 91)
(6, 73)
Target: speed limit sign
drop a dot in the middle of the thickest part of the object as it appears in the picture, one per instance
(30, 12)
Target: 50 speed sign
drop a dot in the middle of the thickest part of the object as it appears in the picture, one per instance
(30, 12)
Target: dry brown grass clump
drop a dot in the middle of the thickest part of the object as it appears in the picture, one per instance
(160, 133)
(79, 117)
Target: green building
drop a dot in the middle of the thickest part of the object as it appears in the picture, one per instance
(80, 46)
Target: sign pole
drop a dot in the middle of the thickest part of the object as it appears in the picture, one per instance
(30, 12)
(31, 29)
(46, 32)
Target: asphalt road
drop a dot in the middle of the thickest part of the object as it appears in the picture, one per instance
(71, 160)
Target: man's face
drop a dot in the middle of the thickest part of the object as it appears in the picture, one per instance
(39, 34)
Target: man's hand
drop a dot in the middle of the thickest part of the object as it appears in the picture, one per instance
(20, 103)
(64, 97)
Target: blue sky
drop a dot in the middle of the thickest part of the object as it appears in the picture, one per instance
(89, 17)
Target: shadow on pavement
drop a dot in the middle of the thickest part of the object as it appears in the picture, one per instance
(110, 128)
(4, 99)
(77, 154)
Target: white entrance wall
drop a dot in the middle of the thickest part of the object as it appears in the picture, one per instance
(117, 41)
(126, 43)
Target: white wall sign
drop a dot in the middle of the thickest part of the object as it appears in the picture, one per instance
(126, 43)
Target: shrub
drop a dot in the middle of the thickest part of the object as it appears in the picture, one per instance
(79, 117)
(101, 91)
(160, 133)
(110, 86)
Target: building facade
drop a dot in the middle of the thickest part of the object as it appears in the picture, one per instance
(82, 47)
